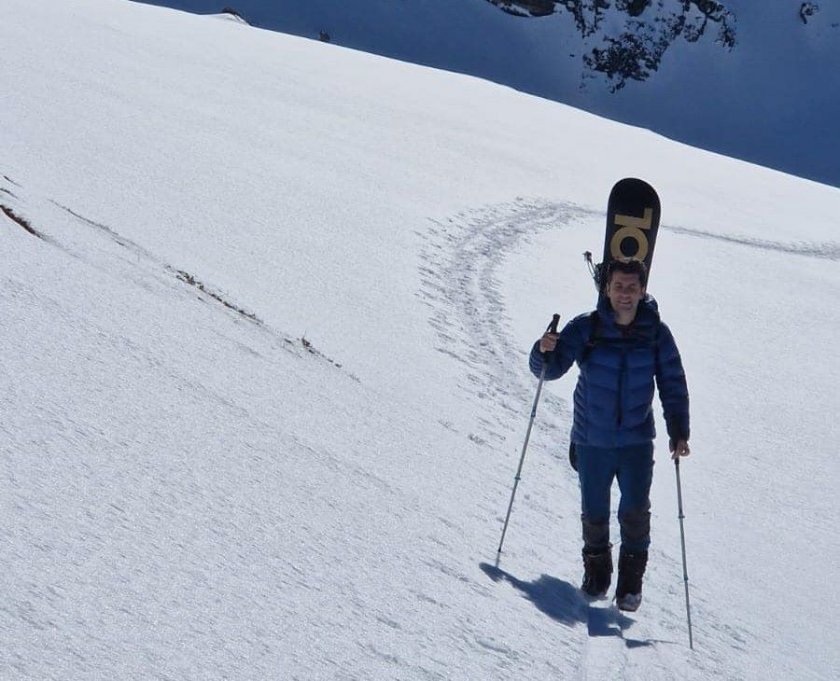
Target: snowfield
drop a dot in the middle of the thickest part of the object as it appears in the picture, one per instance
(266, 311)
(747, 78)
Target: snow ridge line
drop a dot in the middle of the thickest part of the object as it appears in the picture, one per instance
(144, 260)
(205, 291)
(827, 250)
(23, 222)
(179, 274)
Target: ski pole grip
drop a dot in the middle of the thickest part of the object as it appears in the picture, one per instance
(552, 328)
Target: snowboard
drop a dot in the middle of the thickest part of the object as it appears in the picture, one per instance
(633, 213)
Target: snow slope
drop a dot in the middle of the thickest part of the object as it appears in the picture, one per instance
(266, 307)
(773, 99)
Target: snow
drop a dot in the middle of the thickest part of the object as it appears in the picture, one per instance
(193, 491)
(773, 99)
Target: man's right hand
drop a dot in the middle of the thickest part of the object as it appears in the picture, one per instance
(548, 342)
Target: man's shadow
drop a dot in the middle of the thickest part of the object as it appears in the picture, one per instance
(564, 603)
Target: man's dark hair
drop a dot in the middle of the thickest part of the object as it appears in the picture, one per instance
(628, 266)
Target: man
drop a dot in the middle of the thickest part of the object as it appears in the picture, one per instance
(621, 348)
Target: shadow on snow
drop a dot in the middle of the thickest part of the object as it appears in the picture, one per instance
(564, 603)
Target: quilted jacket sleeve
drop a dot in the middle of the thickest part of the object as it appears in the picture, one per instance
(673, 389)
(569, 346)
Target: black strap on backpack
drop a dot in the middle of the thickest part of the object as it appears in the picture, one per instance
(594, 329)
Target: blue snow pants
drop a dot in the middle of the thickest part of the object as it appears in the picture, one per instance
(633, 468)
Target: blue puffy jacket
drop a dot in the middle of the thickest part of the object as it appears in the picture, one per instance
(618, 366)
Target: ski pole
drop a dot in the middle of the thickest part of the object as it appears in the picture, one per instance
(552, 327)
(682, 539)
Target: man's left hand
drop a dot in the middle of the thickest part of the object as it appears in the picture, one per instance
(680, 448)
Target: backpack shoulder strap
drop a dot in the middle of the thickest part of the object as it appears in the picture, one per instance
(594, 328)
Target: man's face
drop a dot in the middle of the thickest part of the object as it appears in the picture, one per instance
(625, 292)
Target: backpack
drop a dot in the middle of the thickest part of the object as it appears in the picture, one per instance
(595, 327)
